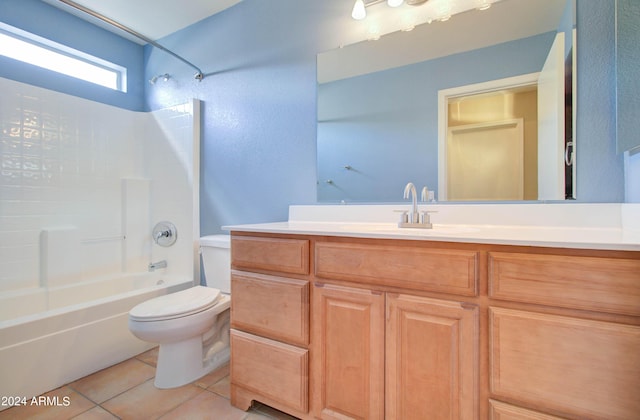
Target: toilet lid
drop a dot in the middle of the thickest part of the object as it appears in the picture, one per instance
(175, 305)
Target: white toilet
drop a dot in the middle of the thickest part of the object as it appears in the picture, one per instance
(191, 326)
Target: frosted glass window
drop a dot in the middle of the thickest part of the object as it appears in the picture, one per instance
(32, 49)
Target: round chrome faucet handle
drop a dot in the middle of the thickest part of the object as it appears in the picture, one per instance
(165, 234)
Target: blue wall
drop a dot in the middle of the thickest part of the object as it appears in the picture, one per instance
(600, 169)
(52, 23)
(259, 111)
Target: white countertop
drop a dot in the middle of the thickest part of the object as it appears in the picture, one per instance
(607, 227)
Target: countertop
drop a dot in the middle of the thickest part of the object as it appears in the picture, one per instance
(553, 236)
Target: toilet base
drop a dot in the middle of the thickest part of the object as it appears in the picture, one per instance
(182, 363)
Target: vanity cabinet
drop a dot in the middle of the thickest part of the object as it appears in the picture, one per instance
(328, 327)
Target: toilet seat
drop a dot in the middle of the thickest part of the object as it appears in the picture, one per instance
(176, 305)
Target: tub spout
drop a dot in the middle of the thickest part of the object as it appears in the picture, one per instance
(156, 265)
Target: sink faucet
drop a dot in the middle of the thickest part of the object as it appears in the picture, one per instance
(411, 189)
(156, 265)
(414, 219)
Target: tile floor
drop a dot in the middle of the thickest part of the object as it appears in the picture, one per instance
(126, 391)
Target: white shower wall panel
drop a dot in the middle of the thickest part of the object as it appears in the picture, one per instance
(63, 162)
(172, 141)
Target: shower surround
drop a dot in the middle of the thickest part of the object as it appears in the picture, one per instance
(81, 186)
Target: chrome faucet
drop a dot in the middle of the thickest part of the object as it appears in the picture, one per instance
(414, 219)
(160, 264)
(411, 189)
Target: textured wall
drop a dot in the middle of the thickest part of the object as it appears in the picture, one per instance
(600, 168)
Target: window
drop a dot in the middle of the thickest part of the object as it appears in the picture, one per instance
(32, 49)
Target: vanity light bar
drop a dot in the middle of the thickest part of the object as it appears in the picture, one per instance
(359, 11)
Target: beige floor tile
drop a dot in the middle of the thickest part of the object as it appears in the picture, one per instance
(96, 413)
(149, 357)
(109, 382)
(60, 404)
(222, 387)
(145, 401)
(206, 406)
(213, 377)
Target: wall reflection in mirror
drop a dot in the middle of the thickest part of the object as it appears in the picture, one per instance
(477, 108)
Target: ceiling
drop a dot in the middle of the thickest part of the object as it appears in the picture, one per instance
(151, 18)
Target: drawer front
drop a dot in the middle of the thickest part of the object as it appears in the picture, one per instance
(271, 254)
(447, 271)
(270, 306)
(598, 284)
(503, 411)
(585, 368)
(270, 368)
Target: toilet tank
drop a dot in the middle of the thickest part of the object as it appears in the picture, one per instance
(216, 259)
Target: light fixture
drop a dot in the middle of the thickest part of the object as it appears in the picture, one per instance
(377, 18)
(359, 11)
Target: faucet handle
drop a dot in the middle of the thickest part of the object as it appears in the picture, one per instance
(404, 216)
(425, 216)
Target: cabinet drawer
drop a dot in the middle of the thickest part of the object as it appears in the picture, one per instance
(598, 284)
(585, 368)
(270, 368)
(503, 411)
(270, 306)
(271, 254)
(447, 271)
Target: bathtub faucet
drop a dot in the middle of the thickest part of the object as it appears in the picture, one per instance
(156, 265)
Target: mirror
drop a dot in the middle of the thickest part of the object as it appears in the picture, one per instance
(379, 115)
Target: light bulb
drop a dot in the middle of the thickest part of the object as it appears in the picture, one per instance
(394, 3)
(359, 12)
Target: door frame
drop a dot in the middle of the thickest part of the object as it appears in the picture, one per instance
(444, 95)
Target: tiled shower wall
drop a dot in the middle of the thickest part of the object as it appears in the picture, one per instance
(66, 166)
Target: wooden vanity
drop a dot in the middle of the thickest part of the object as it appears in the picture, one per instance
(339, 327)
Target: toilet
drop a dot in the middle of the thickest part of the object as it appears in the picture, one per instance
(192, 325)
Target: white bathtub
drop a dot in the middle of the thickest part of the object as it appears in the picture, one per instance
(59, 335)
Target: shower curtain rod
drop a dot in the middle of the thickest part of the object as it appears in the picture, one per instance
(199, 75)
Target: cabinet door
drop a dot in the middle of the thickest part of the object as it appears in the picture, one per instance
(348, 339)
(585, 368)
(431, 359)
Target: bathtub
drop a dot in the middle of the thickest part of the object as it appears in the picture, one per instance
(50, 337)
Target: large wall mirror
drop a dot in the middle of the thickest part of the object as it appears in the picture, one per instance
(443, 104)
